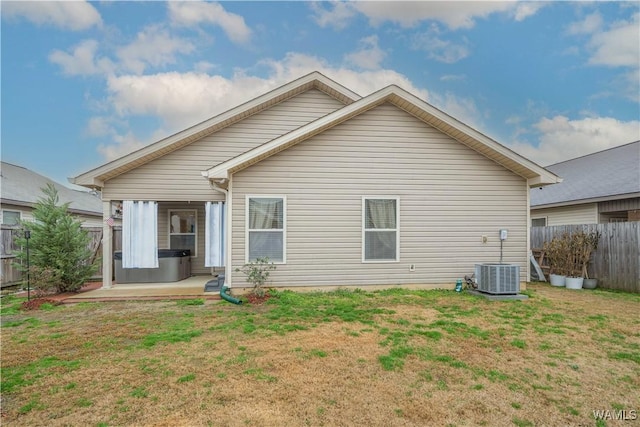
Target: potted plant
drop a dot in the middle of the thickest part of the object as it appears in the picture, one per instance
(591, 241)
(575, 246)
(555, 251)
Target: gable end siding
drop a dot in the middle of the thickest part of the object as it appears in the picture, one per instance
(177, 175)
(450, 196)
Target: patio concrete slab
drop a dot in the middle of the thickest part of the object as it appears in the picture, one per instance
(192, 287)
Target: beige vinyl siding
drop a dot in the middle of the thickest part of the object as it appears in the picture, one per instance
(449, 196)
(177, 175)
(566, 215)
(26, 214)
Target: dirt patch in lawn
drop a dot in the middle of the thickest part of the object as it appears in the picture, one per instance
(397, 358)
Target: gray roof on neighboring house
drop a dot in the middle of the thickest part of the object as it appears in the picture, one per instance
(605, 174)
(23, 187)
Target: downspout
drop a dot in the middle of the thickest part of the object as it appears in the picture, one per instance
(528, 228)
(107, 246)
(225, 296)
(223, 290)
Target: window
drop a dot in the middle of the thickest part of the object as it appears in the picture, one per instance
(183, 226)
(617, 220)
(539, 222)
(380, 229)
(10, 217)
(266, 228)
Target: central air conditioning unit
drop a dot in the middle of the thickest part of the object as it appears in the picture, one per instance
(498, 279)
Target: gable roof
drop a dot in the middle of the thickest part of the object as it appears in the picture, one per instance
(612, 173)
(535, 174)
(95, 178)
(23, 187)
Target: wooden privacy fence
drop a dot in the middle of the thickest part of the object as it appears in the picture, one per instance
(616, 262)
(11, 275)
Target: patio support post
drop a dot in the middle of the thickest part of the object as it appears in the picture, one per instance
(528, 228)
(107, 246)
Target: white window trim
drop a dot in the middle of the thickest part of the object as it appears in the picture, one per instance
(195, 233)
(284, 225)
(397, 229)
(13, 211)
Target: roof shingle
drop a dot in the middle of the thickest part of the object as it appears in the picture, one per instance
(612, 172)
(24, 187)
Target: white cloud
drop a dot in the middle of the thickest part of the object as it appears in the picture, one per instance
(369, 56)
(82, 60)
(455, 15)
(589, 25)
(337, 16)
(562, 138)
(68, 15)
(153, 46)
(441, 50)
(124, 144)
(98, 127)
(177, 99)
(526, 9)
(619, 46)
(190, 13)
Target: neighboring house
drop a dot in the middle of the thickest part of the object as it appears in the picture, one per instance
(22, 188)
(336, 189)
(598, 188)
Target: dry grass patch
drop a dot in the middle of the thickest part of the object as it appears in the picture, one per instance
(409, 358)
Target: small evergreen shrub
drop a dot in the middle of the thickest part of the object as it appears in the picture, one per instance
(59, 253)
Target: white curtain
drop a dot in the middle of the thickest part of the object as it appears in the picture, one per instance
(139, 234)
(381, 213)
(214, 235)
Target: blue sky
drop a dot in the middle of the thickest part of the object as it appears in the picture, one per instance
(86, 82)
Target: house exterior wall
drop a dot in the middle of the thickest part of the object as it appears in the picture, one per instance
(177, 175)
(565, 215)
(26, 214)
(449, 195)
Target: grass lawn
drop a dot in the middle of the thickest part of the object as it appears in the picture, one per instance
(388, 358)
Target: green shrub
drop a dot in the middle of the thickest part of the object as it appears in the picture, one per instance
(59, 256)
(257, 273)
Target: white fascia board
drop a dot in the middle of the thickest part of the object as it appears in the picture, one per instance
(540, 181)
(221, 175)
(86, 180)
(335, 86)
